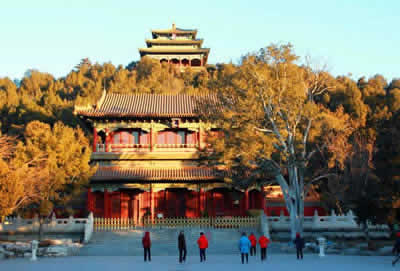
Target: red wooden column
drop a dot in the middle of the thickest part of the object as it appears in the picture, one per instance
(107, 147)
(152, 203)
(106, 211)
(201, 202)
(90, 200)
(201, 62)
(201, 138)
(213, 203)
(246, 201)
(124, 201)
(165, 209)
(135, 202)
(141, 206)
(151, 139)
(94, 139)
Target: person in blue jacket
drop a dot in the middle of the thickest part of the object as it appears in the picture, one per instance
(244, 247)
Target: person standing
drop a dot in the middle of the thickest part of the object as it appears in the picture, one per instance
(263, 241)
(396, 249)
(146, 246)
(244, 247)
(253, 241)
(299, 242)
(203, 245)
(182, 247)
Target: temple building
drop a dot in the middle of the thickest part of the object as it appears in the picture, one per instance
(146, 148)
(147, 151)
(178, 47)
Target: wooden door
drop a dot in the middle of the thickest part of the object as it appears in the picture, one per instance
(219, 203)
(124, 205)
(115, 199)
(181, 204)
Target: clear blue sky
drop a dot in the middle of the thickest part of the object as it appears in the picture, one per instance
(361, 37)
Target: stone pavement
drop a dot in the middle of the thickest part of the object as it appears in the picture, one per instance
(276, 262)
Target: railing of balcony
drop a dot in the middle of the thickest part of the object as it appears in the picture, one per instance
(175, 146)
(128, 147)
(144, 147)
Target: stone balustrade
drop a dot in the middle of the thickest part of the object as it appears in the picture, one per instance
(12, 225)
(332, 226)
(321, 223)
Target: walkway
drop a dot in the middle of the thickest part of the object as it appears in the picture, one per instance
(214, 263)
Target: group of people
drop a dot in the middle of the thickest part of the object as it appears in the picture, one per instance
(202, 242)
(246, 245)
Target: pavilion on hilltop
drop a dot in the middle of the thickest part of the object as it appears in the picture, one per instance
(178, 47)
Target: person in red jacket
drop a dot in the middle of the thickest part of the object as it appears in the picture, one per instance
(263, 241)
(203, 245)
(146, 246)
(253, 241)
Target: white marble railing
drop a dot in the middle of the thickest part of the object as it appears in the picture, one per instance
(52, 225)
(320, 223)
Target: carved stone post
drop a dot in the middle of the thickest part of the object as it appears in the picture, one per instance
(34, 245)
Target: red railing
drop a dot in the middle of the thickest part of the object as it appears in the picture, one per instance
(143, 147)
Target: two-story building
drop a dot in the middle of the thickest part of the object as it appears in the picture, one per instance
(147, 151)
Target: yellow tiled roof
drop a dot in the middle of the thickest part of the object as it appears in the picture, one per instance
(171, 41)
(148, 105)
(174, 50)
(106, 173)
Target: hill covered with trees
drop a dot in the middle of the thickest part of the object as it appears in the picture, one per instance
(362, 150)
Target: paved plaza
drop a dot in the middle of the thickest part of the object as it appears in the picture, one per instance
(276, 262)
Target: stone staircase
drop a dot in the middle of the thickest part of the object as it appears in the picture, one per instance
(164, 242)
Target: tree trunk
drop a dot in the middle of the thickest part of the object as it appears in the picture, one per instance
(296, 218)
(40, 229)
(294, 204)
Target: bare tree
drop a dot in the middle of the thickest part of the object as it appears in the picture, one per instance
(272, 100)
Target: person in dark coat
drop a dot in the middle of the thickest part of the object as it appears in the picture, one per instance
(146, 246)
(182, 247)
(299, 242)
(396, 249)
(253, 241)
(203, 245)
